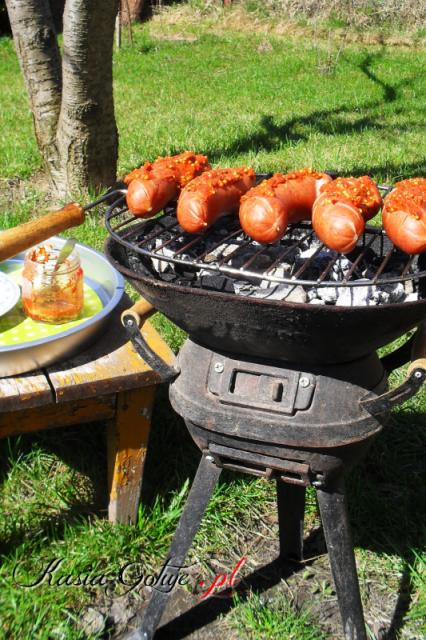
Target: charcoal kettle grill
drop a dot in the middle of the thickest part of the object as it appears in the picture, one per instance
(289, 391)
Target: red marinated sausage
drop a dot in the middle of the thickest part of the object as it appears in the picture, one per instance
(341, 210)
(404, 215)
(268, 208)
(156, 184)
(212, 195)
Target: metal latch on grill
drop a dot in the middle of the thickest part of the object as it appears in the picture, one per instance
(258, 386)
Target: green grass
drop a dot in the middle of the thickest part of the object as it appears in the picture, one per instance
(272, 109)
(257, 620)
(18, 151)
(286, 105)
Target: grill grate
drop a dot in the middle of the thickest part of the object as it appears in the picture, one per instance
(224, 249)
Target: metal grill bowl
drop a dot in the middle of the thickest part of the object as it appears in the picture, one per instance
(281, 330)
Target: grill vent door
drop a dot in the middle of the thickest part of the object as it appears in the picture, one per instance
(260, 387)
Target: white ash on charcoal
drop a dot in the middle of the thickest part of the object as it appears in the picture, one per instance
(369, 295)
(284, 261)
(314, 267)
(359, 295)
(411, 295)
(289, 293)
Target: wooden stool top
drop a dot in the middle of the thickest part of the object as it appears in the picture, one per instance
(110, 365)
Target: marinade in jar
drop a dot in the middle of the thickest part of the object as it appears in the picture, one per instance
(51, 292)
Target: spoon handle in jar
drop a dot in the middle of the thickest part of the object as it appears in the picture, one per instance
(24, 236)
(66, 250)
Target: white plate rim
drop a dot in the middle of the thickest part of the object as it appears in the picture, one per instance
(15, 294)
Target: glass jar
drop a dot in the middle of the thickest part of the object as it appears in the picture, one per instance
(50, 292)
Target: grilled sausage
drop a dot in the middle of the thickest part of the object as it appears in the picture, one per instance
(340, 212)
(156, 184)
(404, 215)
(211, 195)
(337, 223)
(268, 208)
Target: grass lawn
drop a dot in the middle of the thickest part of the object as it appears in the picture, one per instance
(273, 103)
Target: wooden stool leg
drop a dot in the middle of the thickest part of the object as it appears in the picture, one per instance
(128, 437)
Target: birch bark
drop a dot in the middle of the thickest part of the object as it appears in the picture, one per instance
(71, 96)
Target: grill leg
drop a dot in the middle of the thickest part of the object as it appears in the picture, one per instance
(202, 488)
(291, 511)
(335, 522)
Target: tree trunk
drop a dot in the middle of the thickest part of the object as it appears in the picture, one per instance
(74, 118)
(57, 9)
(40, 60)
(131, 10)
(87, 134)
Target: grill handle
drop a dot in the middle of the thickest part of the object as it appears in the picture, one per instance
(28, 234)
(141, 333)
(418, 352)
(416, 376)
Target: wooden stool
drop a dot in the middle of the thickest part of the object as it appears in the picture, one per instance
(109, 381)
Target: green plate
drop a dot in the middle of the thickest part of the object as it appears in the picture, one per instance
(16, 328)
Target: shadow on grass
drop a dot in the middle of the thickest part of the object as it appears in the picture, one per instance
(402, 604)
(349, 119)
(172, 456)
(56, 527)
(210, 609)
(330, 122)
(384, 497)
(397, 171)
(66, 445)
(386, 507)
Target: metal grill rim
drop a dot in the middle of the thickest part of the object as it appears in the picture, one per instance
(126, 230)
